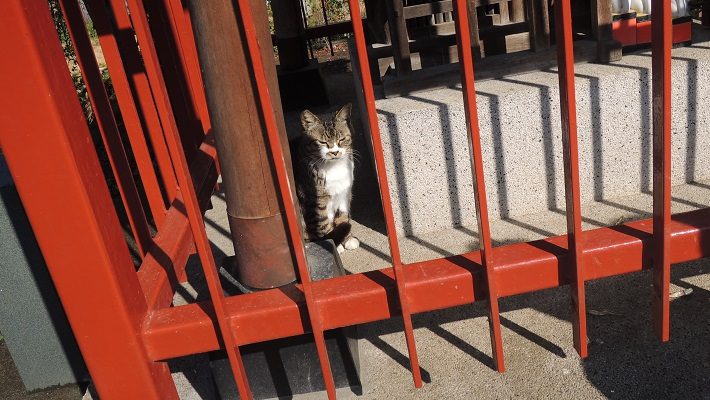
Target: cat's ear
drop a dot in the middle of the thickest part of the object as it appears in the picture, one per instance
(343, 114)
(309, 120)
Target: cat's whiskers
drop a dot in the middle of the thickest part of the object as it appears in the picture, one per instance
(354, 155)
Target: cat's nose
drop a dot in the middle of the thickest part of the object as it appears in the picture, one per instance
(334, 153)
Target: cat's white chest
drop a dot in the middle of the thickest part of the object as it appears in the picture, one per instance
(339, 177)
(338, 184)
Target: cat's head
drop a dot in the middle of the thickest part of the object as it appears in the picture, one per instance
(330, 139)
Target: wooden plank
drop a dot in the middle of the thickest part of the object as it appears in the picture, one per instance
(443, 6)
(426, 9)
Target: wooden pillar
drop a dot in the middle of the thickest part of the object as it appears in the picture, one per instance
(608, 49)
(399, 37)
(262, 252)
(539, 22)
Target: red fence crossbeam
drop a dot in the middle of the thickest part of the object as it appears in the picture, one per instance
(565, 63)
(431, 285)
(192, 207)
(463, 36)
(143, 93)
(662, 40)
(106, 121)
(400, 280)
(293, 223)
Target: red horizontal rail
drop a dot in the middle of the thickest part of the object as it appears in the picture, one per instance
(430, 285)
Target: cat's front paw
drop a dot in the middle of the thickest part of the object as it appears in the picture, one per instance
(340, 249)
(352, 243)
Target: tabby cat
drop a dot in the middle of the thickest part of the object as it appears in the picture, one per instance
(324, 170)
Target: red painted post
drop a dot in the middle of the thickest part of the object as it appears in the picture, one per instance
(463, 35)
(565, 64)
(397, 265)
(44, 137)
(662, 40)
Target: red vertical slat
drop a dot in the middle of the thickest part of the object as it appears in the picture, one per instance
(565, 63)
(187, 188)
(662, 40)
(384, 187)
(463, 36)
(143, 93)
(107, 125)
(129, 112)
(195, 71)
(294, 225)
(44, 137)
(167, 45)
(180, 19)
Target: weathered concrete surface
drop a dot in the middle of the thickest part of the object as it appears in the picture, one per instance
(32, 321)
(426, 146)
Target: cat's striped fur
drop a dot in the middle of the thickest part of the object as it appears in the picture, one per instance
(324, 170)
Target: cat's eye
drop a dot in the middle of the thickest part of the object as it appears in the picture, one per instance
(322, 142)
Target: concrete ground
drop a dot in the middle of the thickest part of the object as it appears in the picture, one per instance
(11, 387)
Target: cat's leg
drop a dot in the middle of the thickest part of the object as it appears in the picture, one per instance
(318, 223)
(350, 242)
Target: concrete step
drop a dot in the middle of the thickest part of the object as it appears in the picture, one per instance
(427, 153)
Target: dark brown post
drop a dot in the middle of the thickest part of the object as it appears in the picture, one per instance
(539, 20)
(608, 49)
(262, 253)
(289, 33)
(398, 36)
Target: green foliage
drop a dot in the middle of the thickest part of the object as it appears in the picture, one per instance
(62, 31)
(70, 55)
